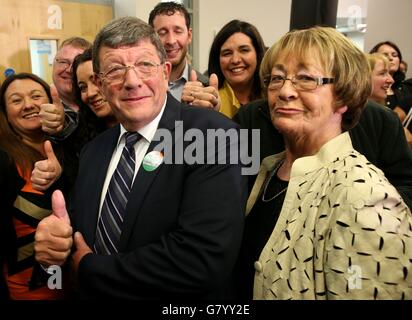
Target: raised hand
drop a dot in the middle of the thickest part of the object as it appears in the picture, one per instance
(190, 87)
(47, 171)
(81, 250)
(53, 238)
(214, 83)
(52, 114)
(196, 94)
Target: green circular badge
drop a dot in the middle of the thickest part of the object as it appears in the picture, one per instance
(152, 160)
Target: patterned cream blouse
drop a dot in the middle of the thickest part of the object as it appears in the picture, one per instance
(344, 232)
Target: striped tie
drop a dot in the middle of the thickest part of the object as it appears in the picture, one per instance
(110, 222)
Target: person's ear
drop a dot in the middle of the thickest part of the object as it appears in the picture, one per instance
(190, 35)
(342, 109)
(167, 69)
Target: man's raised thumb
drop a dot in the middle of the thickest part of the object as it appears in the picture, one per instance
(214, 81)
(59, 206)
(193, 75)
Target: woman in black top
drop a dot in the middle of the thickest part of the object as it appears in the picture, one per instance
(400, 94)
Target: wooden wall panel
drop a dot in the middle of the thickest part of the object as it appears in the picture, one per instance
(22, 20)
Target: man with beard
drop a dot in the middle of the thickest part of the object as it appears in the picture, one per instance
(171, 21)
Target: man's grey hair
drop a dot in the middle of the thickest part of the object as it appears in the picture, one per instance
(126, 31)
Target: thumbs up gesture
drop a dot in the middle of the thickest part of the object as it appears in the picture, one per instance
(82, 249)
(47, 171)
(53, 238)
(214, 87)
(196, 94)
(52, 114)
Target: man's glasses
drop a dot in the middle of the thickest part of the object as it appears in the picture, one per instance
(63, 63)
(144, 70)
(300, 82)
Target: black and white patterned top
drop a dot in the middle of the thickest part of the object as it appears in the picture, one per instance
(344, 232)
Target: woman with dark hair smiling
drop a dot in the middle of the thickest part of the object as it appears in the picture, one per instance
(235, 57)
(25, 200)
(87, 94)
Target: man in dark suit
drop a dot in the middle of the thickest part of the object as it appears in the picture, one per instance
(182, 223)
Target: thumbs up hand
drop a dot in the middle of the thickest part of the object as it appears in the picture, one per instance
(193, 75)
(195, 94)
(190, 88)
(52, 114)
(47, 171)
(81, 250)
(59, 207)
(214, 87)
(53, 238)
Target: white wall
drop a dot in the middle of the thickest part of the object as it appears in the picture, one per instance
(271, 18)
(123, 8)
(137, 8)
(390, 20)
(143, 8)
(346, 7)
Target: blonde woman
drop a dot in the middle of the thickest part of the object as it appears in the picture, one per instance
(382, 82)
(322, 221)
(381, 78)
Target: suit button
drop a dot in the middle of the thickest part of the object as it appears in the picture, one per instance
(258, 266)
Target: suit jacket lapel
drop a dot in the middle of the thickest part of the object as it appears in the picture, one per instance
(144, 178)
(89, 221)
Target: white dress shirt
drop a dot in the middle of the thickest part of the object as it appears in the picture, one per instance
(176, 87)
(140, 148)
